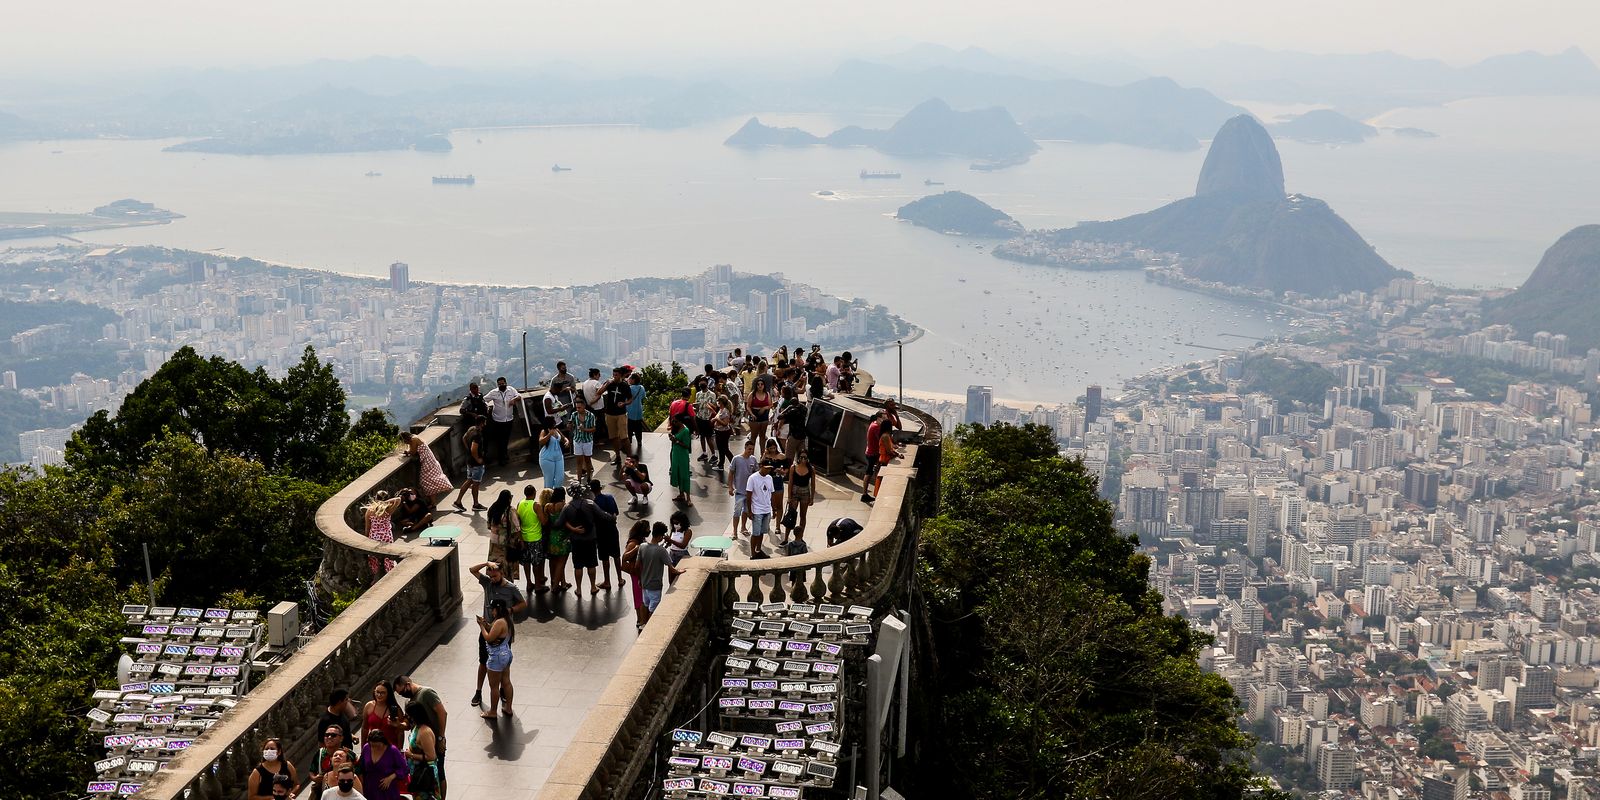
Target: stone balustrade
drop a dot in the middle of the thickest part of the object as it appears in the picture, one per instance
(664, 678)
(379, 634)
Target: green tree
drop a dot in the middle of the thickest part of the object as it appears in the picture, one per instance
(215, 523)
(59, 632)
(1058, 675)
(661, 385)
(289, 425)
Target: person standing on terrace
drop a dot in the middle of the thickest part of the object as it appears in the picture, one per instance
(434, 483)
(495, 589)
(616, 396)
(552, 459)
(682, 444)
(636, 392)
(583, 432)
(502, 402)
(473, 441)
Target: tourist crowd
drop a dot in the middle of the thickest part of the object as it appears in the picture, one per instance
(749, 419)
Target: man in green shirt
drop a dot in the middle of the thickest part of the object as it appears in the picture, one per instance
(531, 515)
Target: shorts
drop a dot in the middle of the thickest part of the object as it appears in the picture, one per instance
(483, 649)
(635, 426)
(583, 448)
(617, 426)
(704, 427)
(652, 598)
(475, 473)
(533, 552)
(674, 556)
(499, 659)
(760, 524)
(800, 494)
(608, 545)
(739, 503)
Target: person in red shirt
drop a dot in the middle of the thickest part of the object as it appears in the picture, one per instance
(680, 405)
(871, 455)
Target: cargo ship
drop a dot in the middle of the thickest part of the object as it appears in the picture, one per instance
(866, 174)
(465, 180)
(932, 182)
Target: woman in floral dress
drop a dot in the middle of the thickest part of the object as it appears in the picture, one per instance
(380, 526)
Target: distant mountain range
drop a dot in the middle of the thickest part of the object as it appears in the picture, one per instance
(1366, 83)
(1562, 293)
(933, 128)
(1239, 228)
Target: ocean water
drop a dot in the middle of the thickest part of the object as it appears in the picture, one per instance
(1475, 206)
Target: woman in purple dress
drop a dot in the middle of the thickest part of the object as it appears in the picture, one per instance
(383, 769)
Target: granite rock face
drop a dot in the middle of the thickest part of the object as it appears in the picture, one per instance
(1242, 161)
(1562, 293)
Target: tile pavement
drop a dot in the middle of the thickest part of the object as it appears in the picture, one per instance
(567, 648)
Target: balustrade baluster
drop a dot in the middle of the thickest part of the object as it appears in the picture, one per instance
(797, 591)
(754, 595)
(776, 595)
(729, 595)
(819, 589)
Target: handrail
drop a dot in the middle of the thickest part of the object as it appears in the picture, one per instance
(371, 639)
(614, 745)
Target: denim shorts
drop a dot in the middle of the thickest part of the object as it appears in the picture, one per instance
(760, 524)
(652, 598)
(475, 473)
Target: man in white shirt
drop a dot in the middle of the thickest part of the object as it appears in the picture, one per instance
(592, 390)
(502, 402)
(832, 379)
(758, 504)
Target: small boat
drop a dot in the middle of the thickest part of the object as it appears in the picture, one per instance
(464, 180)
(371, 174)
(932, 182)
(963, 280)
(559, 168)
(883, 174)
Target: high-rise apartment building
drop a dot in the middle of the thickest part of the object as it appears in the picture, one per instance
(399, 276)
(980, 405)
(1091, 404)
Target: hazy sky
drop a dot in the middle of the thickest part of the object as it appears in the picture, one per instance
(86, 33)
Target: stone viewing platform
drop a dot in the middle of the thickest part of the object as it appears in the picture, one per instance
(593, 696)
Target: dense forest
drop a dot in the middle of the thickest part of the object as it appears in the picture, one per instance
(219, 471)
(1053, 671)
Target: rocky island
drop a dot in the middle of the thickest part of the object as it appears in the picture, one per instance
(1238, 229)
(959, 214)
(933, 128)
(1324, 126)
(126, 213)
(1562, 293)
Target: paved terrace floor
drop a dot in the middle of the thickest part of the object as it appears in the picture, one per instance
(567, 648)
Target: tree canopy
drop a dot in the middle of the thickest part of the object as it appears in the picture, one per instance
(217, 469)
(1057, 674)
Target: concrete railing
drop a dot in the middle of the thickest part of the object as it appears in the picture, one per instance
(665, 670)
(379, 634)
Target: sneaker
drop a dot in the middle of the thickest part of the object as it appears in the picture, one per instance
(758, 554)
(479, 507)
(477, 699)
(461, 508)
(703, 456)
(866, 498)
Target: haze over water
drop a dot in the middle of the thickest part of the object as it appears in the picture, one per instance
(1465, 209)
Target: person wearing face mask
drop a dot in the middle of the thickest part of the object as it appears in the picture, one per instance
(271, 767)
(345, 787)
(283, 788)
